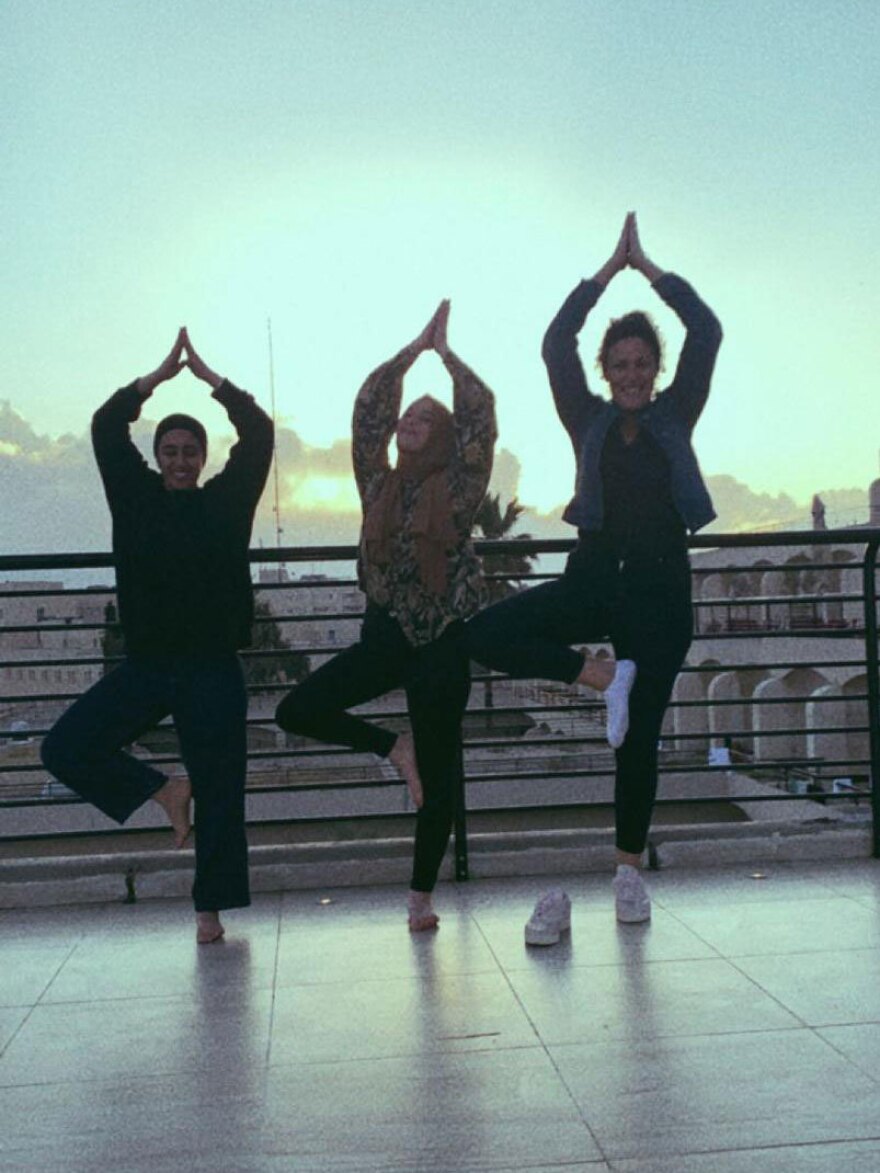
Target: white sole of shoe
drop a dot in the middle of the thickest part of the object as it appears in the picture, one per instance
(536, 936)
(633, 918)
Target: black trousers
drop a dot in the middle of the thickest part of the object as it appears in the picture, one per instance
(436, 677)
(206, 697)
(643, 605)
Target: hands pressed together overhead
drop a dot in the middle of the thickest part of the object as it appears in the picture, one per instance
(433, 337)
(182, 354)
(628, 253)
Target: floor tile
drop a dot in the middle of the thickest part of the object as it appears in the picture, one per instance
(176, 919)
(428, 1112)
(334, 948)
(128, 1125)
(673, 1046)
(668, 1096)
(860, 1043)
(858, 879)
(27, 970)
(596, 938)
(796, 926)
(822, 988)
(595, 1003)
(723, 887)
(162, 964)
(835, 1157)
(11, 1018)
(218, 1036)
(56, 926)
(401, 1017)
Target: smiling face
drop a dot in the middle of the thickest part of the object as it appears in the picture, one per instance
(415, 425)
(631, 369)
(180, 458)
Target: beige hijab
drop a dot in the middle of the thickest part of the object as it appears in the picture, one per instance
(431, 523)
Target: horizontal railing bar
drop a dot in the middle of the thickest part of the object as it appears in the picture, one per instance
(848, 535)
(600, 768)
(268, 722)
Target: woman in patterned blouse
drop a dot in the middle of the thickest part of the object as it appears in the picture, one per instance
(422, 579)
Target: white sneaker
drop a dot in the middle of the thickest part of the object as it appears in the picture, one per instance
(630, 895)
(550, 919)
(616, 697)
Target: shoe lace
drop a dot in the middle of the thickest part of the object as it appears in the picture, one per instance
(549, 902)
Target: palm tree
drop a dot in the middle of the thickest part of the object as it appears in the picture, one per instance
(496, 524)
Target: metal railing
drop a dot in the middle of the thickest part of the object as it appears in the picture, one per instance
(779, 698)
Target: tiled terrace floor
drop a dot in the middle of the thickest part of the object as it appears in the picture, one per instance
(739, 1031)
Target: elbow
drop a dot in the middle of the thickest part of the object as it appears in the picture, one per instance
(550, 344)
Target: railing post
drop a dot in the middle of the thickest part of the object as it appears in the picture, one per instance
(869, 583)
(460, 821)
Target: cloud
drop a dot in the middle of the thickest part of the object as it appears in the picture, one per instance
(52, 500)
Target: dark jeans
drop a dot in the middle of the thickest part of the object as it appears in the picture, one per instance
(436, 677)
(206, 697)
(644, 607)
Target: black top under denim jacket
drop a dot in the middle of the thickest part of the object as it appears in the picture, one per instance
(182, 573)
(640, 497)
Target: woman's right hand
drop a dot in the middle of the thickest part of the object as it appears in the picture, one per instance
(425, 340)
(636, 255)
(170, 366)
(440, 325)
(619, 259)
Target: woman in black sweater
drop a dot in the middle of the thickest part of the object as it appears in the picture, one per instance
(185, 607)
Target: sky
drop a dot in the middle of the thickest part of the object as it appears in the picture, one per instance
(339, 166)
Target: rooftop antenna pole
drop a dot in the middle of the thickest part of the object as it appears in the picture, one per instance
(276, 508)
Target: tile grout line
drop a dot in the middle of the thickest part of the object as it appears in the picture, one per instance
(30, 1009)
(544, 1046)
(274, 987)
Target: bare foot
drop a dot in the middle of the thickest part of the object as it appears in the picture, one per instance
(403, 758)
(175, 798)
(596, 674)
(421, 914)
(208, 928)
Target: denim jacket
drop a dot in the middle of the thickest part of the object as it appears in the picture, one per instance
(669, 418)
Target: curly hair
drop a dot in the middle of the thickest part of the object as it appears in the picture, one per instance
(632, 325)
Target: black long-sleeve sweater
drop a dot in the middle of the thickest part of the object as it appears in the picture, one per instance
(182, 574)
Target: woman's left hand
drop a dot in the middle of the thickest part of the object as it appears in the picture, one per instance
(636, 256)
(441, 323)
(197, 364)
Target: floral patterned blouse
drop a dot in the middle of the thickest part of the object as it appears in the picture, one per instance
(398, 586)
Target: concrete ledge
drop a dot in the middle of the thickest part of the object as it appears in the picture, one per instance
(144, 875)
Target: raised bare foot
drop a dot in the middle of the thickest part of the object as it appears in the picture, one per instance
(208, 928)
(596, 674)
(175, 798)
(421, 914)
(403, 758)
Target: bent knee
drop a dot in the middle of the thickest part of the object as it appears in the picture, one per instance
(56, 755)
(291, 714)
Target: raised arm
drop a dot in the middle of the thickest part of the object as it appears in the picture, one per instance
(575, 402)
(689, 389)
(247, 467)
(123, 469)
(377, 410)
(473, 407)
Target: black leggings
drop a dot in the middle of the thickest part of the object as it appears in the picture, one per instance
(644, 607)
(436, 677)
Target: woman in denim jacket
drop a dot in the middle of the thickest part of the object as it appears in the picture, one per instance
(638, 492)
